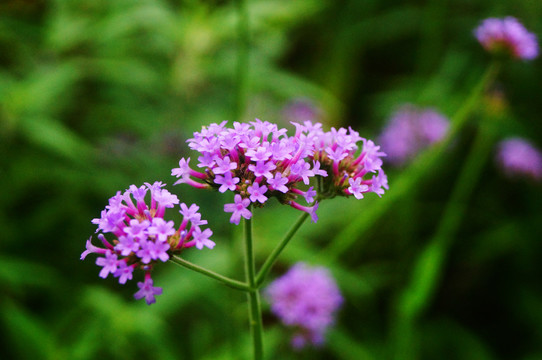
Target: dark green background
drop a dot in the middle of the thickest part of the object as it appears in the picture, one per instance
(96, 95)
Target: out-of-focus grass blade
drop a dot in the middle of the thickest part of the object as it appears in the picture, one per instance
(51, 135)
(126, 321)
(346, 348)
(502, 239)
(20, 273)
(132, 73)
(447, 336)
(41, 93)
(28, 335)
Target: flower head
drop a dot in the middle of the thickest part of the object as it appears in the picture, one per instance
(410, 130)
(307, 300)
(517, 157)
(255, 160)
(507, 36)
(341, 156)
(141, 237)
(259, 161)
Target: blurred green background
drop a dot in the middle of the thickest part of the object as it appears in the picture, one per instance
(96, 95)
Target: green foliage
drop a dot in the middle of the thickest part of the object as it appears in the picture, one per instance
(98, 95)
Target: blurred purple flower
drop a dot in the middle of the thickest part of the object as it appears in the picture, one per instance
(518, 157)
(301, 110)
(307, 299)
(410, 130)
(507, 36)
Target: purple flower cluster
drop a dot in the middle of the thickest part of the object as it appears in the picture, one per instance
(258, 161)
(518, 157)
(306, 299)
(410, 130)
(507, 36)
(141, 236)
(346, 171)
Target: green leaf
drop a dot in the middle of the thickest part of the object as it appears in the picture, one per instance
(347, 348)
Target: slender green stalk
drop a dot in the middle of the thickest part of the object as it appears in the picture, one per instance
(235, 284)
(411, 177)
(243, 59)
(428, 268)
(243, 76)
(255, 311)
(266, 267)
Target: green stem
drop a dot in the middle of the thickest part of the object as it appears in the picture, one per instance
(243, 59)
(266, 267)
(411, 177)
(428, 268)
(255, 311)
(235, 284)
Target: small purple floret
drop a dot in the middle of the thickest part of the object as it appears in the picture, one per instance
(127, 244)
(278, 183)
(227, 182)
(189, 212)
(202, 238)
(357, 188)
(257, 193)
(109, 263)
(124, 272)
(238, 209)
(147, 291)
(161, 229)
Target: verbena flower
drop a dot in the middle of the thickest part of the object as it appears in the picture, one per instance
(258, 161)
(141, 237)
(507, 36)
(340, 156)
(410, 130)
(301, 110)
(517, 157)
(306, 299)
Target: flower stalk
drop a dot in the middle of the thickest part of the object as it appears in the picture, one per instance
(234, 284)
(266, 267)
(412, 176)
(255, 311)
(428, 269)
(243, 59)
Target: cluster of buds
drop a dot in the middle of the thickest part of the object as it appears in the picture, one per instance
(344, 171)
(142, 237)
(258, 161)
